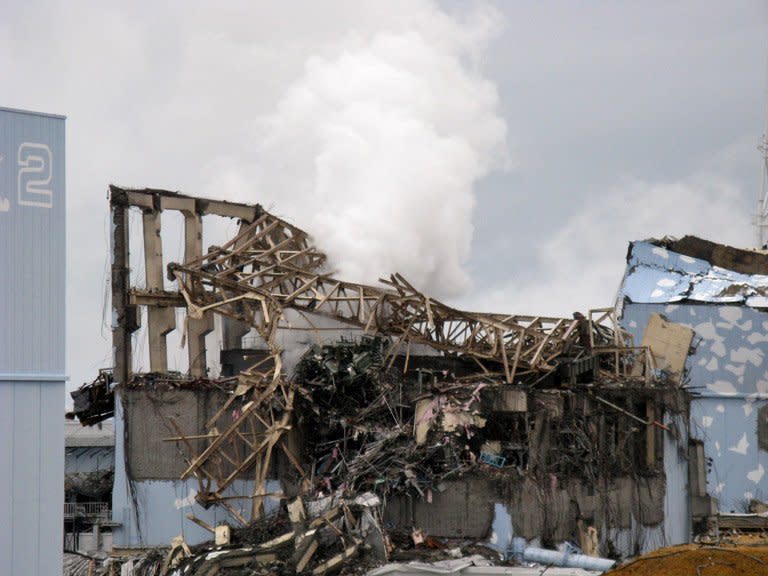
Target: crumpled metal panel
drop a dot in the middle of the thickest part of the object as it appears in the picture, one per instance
(649, 285)
(647, 254)
(656, 275)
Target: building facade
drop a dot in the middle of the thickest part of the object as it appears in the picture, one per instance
(720, 293)
(32, 342)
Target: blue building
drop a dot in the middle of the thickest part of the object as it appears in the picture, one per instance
(721, 293)
(32, 342)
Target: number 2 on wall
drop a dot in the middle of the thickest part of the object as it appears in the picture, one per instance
(35, 175)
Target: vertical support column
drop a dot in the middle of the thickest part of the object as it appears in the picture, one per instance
(161, 319)
(125, 317)
(196, 329)
(650, 434)
(234, 330)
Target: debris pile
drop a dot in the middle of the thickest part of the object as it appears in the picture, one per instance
(361, 416)
(80, 565)
(93, 402)
(425, 395)
(327, 535)
(289, 544)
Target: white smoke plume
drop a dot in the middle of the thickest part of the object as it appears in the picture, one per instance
(376, 148)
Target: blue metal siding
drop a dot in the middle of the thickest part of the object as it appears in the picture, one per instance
(677, 515)
(32, 343)
(32, 245)
(728, 373)
(656, 275)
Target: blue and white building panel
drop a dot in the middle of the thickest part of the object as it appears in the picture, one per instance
(32, 342)
(728, 371)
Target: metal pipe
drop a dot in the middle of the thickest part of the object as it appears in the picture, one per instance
(555, 558)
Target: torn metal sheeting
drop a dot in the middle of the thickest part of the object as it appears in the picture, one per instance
(658, 275)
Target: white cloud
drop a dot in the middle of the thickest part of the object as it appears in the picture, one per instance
(582, 263)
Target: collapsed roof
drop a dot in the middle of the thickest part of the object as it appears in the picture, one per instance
(695, 270)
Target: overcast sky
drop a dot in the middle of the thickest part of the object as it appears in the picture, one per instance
(500, 154)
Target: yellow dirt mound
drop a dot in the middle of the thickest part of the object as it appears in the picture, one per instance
(699, 560)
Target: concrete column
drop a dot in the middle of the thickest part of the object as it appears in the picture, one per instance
(161, 319)
(125, 316)
(196, 329)
(234, 330)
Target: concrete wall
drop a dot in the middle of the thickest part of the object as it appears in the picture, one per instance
(628, 513)
(152, 512)
(147, 415)
(32, 343)
(463, 509)
(94, 542)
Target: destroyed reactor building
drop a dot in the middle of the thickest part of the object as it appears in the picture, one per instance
(457, 424)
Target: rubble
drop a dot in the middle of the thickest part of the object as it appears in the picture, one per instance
(562, 419)
(93, 402)
(80, 565)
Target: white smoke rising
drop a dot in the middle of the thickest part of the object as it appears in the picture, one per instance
(376, 149)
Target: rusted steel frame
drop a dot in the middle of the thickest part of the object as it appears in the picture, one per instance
(231, 429)
(213, 446)
(459, 324)
(260, 455)
(189, 446)
(224, 483)
(243, 259)
(239, 244)
(317, 285)
(256, 261)
(263, 469)
(251, 234)
(284, 261)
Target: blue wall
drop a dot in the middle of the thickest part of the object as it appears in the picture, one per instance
(32, 343)
(727, 371)
(728, 374)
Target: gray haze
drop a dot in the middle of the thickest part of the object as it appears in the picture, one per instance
(502, 154)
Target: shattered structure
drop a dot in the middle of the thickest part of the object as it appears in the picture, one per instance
(720, 295)
(442, 417)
